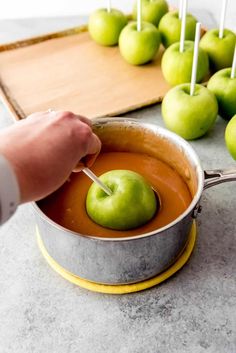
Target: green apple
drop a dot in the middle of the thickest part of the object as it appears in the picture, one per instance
(189, 116)
(220, 51)
(132, 203)
(177, 66)
(224, 88)
(170, 28)
(105, 27)
(152, 10)
(230, 137)
(139, 47)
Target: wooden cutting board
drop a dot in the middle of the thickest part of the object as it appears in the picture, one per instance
(68, 71)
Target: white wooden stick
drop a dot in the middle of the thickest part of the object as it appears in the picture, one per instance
(139, 15)
(180, 9)
(195, 58)
(108, 5)
(222, 18)
(233, 71)
(92, 176)
(183, 25)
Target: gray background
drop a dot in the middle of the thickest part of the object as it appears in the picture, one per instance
(194, 311)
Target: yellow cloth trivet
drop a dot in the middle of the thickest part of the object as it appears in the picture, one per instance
(123, 288)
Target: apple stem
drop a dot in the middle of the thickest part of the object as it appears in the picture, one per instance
(139, 15)
(222, 18)
(183, 25)
(195, 58)
(233, 71)
(180, 9)
(108, 5)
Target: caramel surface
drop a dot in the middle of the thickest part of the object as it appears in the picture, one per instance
(66, 206)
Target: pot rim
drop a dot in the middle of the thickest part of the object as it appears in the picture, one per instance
(174, 138)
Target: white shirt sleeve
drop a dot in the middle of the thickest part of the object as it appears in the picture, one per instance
(9, 190)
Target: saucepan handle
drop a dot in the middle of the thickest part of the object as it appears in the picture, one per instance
(215, 177)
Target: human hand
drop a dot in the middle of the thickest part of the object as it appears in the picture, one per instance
(44, 148)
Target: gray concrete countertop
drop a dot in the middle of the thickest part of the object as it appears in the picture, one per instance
(194, 311)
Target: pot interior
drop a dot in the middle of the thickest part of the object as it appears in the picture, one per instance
(129, 136)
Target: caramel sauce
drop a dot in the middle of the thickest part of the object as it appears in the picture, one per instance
(66, 206)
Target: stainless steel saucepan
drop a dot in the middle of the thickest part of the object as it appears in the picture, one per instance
(137, 258)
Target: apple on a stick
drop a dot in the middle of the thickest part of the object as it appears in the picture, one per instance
(223, 85)
(152, 10)
(219, 44)
(170, 28)
(132, 203)
(219, 50)
(177, 66)
(177, 60)
(189, 116)
(190, 110)
(106, 24)
(139, 41)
